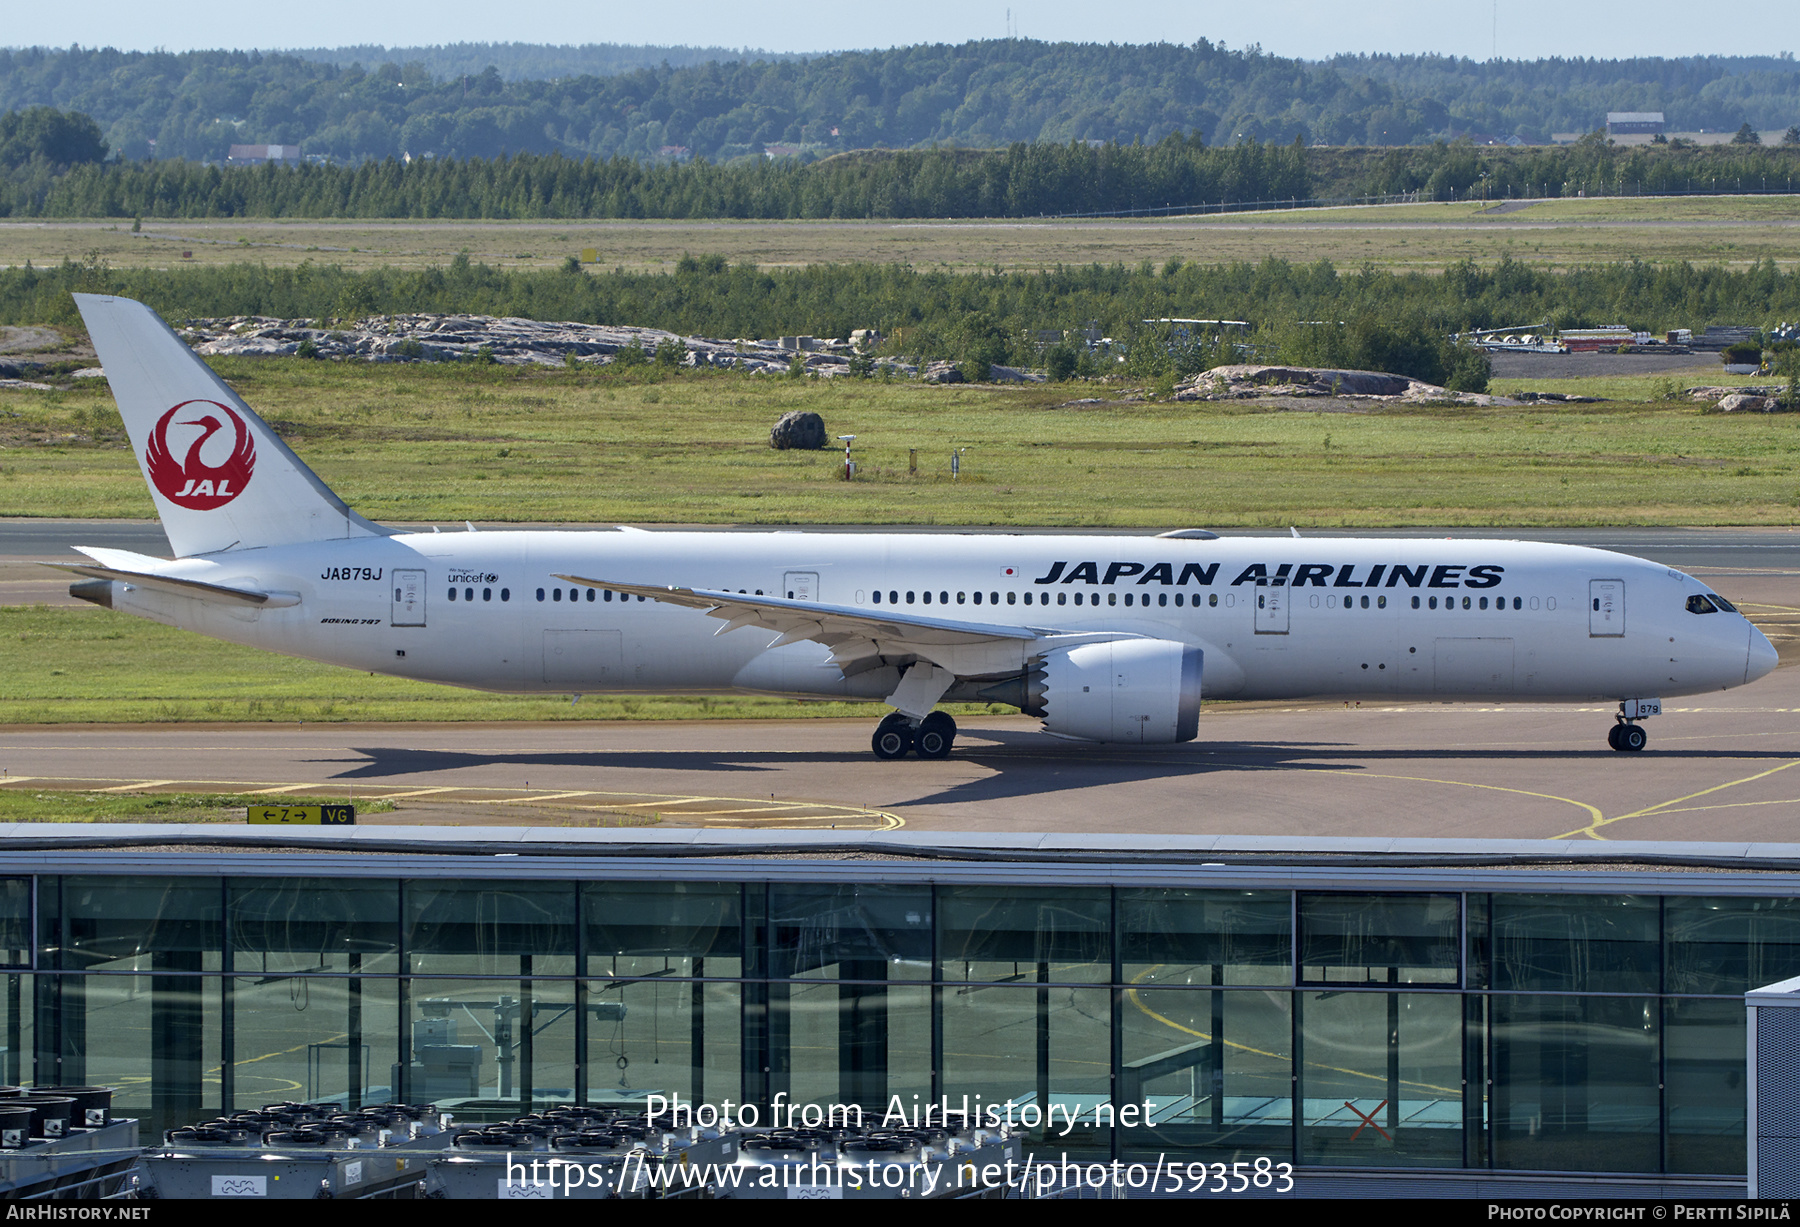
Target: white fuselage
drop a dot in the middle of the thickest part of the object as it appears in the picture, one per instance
(1276, 618)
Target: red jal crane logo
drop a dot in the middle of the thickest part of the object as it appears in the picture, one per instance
(189, 481)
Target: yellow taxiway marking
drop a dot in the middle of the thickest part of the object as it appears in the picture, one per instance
(1523, 792)
(743, 810)
(1137, 1001)
(1592, 829)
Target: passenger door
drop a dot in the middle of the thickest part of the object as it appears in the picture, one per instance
(1271, 607)
(1606, 608)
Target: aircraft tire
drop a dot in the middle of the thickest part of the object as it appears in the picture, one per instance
(1632, 737)
(936, 735)
(1612, 736)
(893, 738)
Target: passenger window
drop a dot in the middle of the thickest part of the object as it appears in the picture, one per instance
(1212, 598)
(608, 594)
(506, 594)
(1112, 598)
(993, 598)
(1483, 602)
(943, 598)
(1012, 598)
(487, 594)
(1078, 598)
(453, 597)
(1062, 598)
(978, 598)
(893, 597)
(909, 598)
(1380, 602)
(877, 595)
(556, 594)
(1416, 602)
(1365, 602)
(1028, 598)
(1466, 602)
(1128, 598)
(1162, 598)
(1517, 603)
(962, 598)
(1432, 603)
(591, 598)
(927, 598)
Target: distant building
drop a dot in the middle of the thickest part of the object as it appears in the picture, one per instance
(256, 155)
(1634, 123)
(675, 153)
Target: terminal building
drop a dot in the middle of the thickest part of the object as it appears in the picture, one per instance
(1389, 1017)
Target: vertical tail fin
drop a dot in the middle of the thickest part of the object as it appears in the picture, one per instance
(220, 478)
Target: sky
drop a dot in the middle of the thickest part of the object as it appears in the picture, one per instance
(1308, 29)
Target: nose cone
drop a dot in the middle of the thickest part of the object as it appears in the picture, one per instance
(1761, 660)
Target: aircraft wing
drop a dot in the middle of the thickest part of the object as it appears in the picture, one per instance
(860, 637)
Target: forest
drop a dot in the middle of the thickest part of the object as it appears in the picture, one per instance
(722, 105)
(1022, 180)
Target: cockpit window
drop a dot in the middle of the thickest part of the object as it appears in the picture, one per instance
(1722, 603)
(1700, 605)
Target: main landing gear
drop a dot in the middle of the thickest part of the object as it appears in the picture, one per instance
(1627, 734)
(932, 737)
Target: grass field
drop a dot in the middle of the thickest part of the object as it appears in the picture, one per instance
(454, 442)
(18, 805)
(1558, 233)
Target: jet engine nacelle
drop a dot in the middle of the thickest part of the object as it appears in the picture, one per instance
(1131, 690)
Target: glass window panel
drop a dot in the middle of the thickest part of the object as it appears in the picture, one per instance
(492, 1048)
(1576, 943)
(315, 924)
(1007, 933)
(668, 928)
(1575, 1083)
(1704, 1063)
(1201, 937)
(1381, 1079)
(1044, 1050)
(850, 1044)
(18, 1033)
(850, 932)
(1477, 923)
(15, 922)
(664, 1037)
(109, 923)
(154, 1037)
(1215, 1068)
(491, 928)
(313, 1039)
(1730, 945)
(1379, 939)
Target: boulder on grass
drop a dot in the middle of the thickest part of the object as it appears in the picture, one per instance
(798, 431)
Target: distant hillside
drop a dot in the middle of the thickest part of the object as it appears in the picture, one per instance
(532, 61)
(427, 102)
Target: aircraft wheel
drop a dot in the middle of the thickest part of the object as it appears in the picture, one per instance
(1612, 736)
(1632, 737)
(937, 733)
(893, 738)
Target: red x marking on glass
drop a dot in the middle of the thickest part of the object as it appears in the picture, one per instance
(1368, 1122)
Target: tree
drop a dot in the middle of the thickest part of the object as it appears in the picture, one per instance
(1792, 137)
(1746, 135)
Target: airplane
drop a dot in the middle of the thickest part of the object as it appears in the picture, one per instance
(1109, 639)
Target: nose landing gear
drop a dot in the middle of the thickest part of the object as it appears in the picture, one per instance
(896, 735)
(1627, 734)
